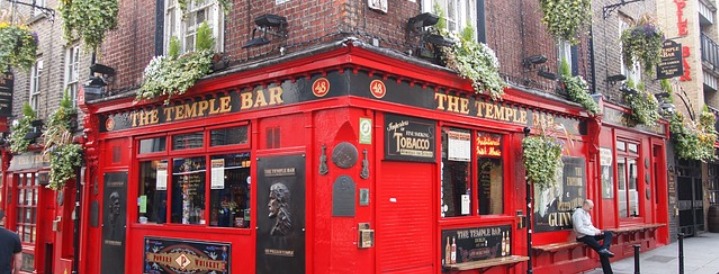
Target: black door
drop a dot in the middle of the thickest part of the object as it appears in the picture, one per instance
(690, 198)
(114, 213)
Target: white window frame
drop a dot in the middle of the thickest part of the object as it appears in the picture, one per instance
(72, 72)
(181, 26)
(35, 84)
(635, 73)
(39, 3)
(564, 52)
(458, 13)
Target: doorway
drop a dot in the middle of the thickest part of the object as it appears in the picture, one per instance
(690, 198)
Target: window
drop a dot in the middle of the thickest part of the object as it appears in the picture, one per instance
(27, 193)
(461, 165)
(565, 52)
(35, 84)
(458, 13)
(39, 3)
(627, 177)
(72, 72)
(184, 26)
(173, 187)
(633, 72)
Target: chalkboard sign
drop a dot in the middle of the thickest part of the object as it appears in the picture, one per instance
(475, 244)
(553, 207)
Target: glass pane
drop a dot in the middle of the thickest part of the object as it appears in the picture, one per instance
(632, 148)
(455, 190)
(621, 185)
(188, 190)
(152, 197)
(490, 173)
(621, 146)
(230, 194)
(228, 136)
(190, 140)
(152, 145)
(633, 192)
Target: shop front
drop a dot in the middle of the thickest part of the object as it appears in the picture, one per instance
(343, 165)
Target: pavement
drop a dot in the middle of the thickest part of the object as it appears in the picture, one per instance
(701, 256)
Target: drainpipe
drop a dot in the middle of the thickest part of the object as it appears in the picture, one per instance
(529, 216)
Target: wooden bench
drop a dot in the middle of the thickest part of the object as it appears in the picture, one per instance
(633, 228)
(488, 263)
(554, 247)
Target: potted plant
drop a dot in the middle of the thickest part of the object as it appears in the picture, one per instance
(174, 74)
(88, 19)
(565, 19)
(18, 131)
(577, 89)
(644, 106)
(643, 43)
(542, 157)
(692, 140)
(18, 46)
(65, 157)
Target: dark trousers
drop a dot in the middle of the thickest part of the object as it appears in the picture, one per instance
(593, 242)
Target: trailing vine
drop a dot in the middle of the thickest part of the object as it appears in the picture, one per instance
(643, 43)
(542, 157)
(65, 157)
(18, 46)
(18, 143)
(577, 89)
(566, 19)
(172, 74)
(88, 19)
(694, 141)
(644, 106)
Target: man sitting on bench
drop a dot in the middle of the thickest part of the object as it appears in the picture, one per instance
(590, 235)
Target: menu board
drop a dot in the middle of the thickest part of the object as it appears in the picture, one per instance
(475, 244)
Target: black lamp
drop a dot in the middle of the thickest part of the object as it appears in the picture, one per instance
(544, 73)
(613, 79)
(426, 19)
(414, 29)
(267, 24)
(94, 88)
(534, 60)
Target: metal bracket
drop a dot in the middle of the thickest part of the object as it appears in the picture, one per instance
(48, 12)
(608, 9)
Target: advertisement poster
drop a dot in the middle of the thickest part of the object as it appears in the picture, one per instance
(409, 139)
(281, 214)
(475, 244)
(218, 174)
(161, 178)
(459, 145)
(605, 156)
(553, 207)
(188, 257)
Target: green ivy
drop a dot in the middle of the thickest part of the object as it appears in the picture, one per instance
(65, 157)
(642, 43)
(542, 157)
(88, 19)
(696, 141)
(18, 46)
(566, 19)
(173, 75)
(577, 89)
(18, 143)
(644, 106)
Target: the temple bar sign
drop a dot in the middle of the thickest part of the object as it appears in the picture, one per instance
(671, 61)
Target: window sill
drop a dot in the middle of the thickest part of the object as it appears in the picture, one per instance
(483, 220)
(193, 228)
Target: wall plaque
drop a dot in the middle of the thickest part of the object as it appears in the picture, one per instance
(345, 155)
(343, 197)
(475, 244)
(191, 257)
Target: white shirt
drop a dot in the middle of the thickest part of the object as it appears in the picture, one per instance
(583, 223)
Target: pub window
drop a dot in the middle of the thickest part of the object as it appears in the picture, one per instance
(455, 172)
(187, 141)
(27, 207)
(489, 173)
(627, 177)
(152, 199)
(230, 190)
(188, 190)
(228, 136)
(152, 145)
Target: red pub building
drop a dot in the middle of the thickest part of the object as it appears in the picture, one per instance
(347, 157)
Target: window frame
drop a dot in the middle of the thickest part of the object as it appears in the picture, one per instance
(634, 74)
(465, 10)
(473, 178)
(39, 4)
(170, 155)
(36, 73)
(176, 23)
(73, 55)
(24, 182)
(628, 156)
(564, 52)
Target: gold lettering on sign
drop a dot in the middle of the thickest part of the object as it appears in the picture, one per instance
(452, 103)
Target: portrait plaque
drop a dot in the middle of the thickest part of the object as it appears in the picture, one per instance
(345, 155)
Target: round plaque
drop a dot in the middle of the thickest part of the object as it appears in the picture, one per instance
(345, 155)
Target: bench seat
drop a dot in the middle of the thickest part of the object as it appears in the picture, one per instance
(554, 247)
(633, 228)
(488, 263)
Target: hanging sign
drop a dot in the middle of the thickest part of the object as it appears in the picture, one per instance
(409, 139)
(6, 90)
(671, 61)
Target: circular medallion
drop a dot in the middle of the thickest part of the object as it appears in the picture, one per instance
(345, 155)
(378, 89)
(110, 124)
(321, 87)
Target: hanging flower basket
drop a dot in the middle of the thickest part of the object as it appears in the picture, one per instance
(694, 141)
(65, 157)
(542, 156)
(18, 142)
(566, 19)
(642, 43)
(18, 46)
(644, 106)
(577, 89)
(88, 19)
